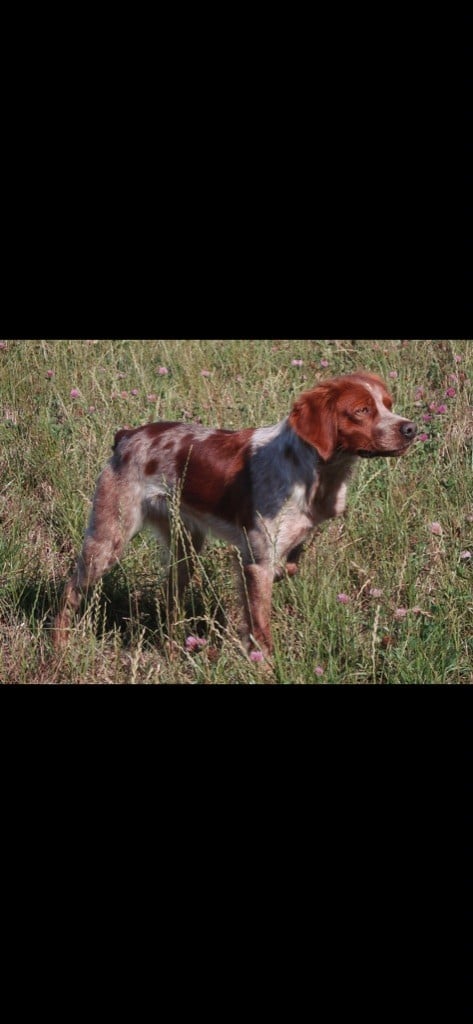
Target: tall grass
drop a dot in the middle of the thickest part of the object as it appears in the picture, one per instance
(382, 596)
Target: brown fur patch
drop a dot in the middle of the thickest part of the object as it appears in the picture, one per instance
(215, 475)
(151, 467)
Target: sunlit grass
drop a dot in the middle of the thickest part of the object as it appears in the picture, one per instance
(383, 595)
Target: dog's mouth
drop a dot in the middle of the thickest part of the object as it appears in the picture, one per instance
(391, 454)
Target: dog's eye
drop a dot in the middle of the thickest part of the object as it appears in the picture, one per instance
(362, 412)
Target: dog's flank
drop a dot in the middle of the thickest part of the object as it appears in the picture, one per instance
(261, 489)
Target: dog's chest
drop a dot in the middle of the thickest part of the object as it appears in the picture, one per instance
(330, 490)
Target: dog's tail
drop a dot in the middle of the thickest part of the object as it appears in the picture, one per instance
(123, 432)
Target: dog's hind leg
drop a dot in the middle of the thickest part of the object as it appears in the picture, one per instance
(185, 543)
(114, 520)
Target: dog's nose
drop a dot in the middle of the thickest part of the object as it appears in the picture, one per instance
(408, 430)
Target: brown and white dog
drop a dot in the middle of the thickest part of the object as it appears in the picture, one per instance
(261, 489)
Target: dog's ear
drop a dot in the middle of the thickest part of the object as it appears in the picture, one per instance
(313, 417)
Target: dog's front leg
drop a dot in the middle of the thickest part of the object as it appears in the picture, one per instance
(258, 584)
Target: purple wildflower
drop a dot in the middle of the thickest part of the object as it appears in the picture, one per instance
(193, 643)
(343, 598)
(256, 656)
(75, 393)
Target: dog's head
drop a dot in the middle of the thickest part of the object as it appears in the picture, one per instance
(351, 414)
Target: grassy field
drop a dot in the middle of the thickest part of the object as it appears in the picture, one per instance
(383, 594)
